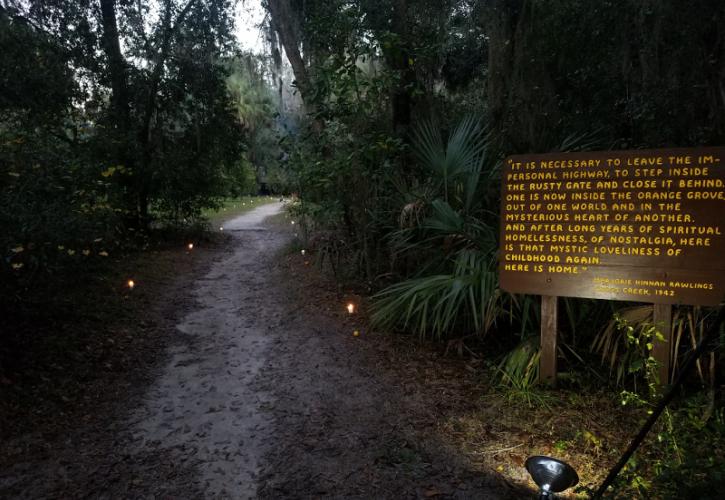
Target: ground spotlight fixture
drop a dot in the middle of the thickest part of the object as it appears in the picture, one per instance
(551, 475)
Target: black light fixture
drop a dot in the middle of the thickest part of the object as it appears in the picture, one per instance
(551, 475)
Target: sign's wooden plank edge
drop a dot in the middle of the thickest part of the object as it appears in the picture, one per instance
(575, 286)
(623, 153)
(697, 263)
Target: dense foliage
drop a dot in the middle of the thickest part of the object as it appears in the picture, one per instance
(114, 114)
(387, 199)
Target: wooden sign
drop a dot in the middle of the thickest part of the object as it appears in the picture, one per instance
(642, 226)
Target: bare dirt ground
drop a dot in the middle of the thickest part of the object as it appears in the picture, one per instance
(261, 390)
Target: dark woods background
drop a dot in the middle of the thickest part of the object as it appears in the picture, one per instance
(113, 115)
(119, 118)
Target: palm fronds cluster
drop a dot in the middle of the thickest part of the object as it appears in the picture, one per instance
(447, 244)
(455, 293)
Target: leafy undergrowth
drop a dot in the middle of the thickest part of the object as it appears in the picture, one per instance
(86, 339)
(582, 422)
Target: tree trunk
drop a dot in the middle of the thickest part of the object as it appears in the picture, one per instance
(284, 24)
(145, 138)
(116, 66)
(502, 18)
(400, 61)
(120, 108)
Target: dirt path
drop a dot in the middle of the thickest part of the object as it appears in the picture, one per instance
(262, 395)
(204, 407)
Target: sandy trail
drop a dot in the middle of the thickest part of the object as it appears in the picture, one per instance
(205, 406)
(263, 393)
(271, 397)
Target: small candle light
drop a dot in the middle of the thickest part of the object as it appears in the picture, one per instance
(191, 246)
(303, 251)
(293, 223)
(356, 333)
(221, 228)
(131, 284)
(351, 308)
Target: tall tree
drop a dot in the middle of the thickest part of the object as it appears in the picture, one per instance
(400, 60)
(117, 66)
(285, 22)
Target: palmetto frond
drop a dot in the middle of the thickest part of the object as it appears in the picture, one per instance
(461, 293)
(457, 165)
(437, 305)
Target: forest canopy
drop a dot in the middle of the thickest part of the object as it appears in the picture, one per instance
(116, 114)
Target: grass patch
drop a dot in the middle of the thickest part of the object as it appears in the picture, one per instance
(589, 429)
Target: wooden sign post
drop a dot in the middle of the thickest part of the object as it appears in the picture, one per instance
(549, 324)
(643, 226)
